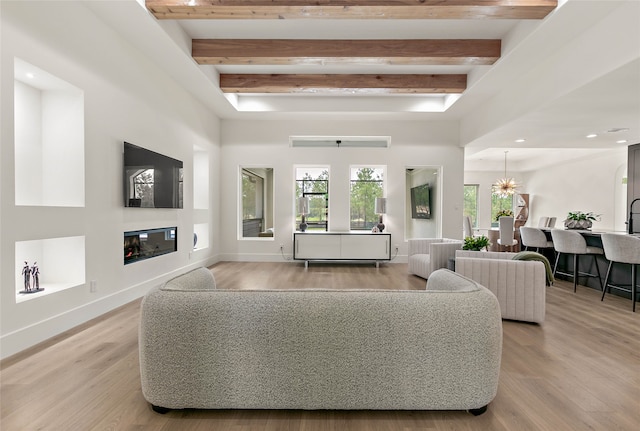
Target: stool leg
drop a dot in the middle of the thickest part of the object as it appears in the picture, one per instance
(595, 260)
(606, 280)
(555, 266)
(575, 272)
(633, 286)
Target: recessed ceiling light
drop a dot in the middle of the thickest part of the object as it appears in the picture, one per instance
(621, 141)
(30, 75)
(520, 140)
(592, 135)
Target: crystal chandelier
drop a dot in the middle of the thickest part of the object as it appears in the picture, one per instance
(505, 186)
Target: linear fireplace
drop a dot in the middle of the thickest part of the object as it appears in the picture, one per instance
(145, 244)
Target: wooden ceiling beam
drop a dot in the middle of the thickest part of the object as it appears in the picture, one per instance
(322, 52)
(343, 84)
(354, 9)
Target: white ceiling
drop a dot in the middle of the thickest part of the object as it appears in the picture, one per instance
(579, 96)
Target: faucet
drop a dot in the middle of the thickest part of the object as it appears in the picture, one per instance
(630, 222)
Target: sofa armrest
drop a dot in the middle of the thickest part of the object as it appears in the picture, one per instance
(421, 245)
(441, 252)
(520, 286)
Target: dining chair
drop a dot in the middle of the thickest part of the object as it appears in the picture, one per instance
(466, 227)
(507, 234)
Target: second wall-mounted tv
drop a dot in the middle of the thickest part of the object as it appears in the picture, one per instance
(421, 202)
(151, 180)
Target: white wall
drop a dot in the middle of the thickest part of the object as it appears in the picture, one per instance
(266, 143)
(28, 156)
(125, 98)
(591, 184)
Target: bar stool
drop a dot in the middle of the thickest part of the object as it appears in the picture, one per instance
(534, 237)
(569, 242)
(621, 249)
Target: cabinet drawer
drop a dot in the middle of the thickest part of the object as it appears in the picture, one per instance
(311, 246)
(374, 247)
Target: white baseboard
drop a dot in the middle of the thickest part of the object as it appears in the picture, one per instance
(255, 257)
(277, 257)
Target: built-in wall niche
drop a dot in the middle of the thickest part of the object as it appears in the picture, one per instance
(148, 243)
(200, 236)
(60, 264)
(256, 203)
(200, 179)
(48, 138)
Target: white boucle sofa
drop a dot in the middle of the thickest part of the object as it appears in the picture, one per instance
(429, 254)
(519, 285)
(208, 348)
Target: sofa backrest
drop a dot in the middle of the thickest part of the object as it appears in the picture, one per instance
(444, 280)
(485, 254)
(519, 285)
(271, 346)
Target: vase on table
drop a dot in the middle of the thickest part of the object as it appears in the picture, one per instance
(578, 224)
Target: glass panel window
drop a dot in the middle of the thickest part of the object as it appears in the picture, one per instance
(500, 204)
(252, 195)
(471, 203)
(313, 182)
(367, 184)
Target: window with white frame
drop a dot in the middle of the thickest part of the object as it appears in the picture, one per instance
(312, 182)
(367, 184)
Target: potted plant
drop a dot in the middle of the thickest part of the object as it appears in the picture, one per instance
(580, 220)
(504, 213)
(476, 243)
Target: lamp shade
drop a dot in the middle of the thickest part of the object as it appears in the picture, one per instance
(381, 205)
(303, 205)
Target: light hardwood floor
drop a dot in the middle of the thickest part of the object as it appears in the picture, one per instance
(580, 370)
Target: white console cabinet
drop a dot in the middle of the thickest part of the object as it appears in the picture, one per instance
(341, 246)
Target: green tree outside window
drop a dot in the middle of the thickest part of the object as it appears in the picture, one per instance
(498, 204)
(314, 184)
(470, 207)
(367, 184)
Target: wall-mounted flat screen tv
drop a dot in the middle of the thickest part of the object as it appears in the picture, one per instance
(151, 180)
(421, 202)
(145, 244)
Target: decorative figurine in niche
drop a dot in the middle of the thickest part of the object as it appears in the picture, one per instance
(35, 276)
(31, 277)
(26, 273)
